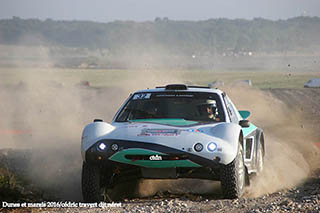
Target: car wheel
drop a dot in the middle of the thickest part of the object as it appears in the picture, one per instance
(260, 160)
(91, 190)
(233, 177)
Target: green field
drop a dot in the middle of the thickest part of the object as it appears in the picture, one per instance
(110, 78)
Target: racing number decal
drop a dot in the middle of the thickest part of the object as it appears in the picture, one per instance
(141, 96)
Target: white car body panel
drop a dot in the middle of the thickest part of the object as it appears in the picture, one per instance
(225, 135)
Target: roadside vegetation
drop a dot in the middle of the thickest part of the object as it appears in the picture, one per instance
(262, 79)
(15, 185)
(160, 44)
(213, 36)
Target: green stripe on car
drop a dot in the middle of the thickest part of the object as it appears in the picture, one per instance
(120, 157)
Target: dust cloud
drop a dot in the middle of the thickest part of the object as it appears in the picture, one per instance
(46, 120)
(47, 117)
(290, 151)
(44, 117)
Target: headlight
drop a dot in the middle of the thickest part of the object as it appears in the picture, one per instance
(102, 146)
(212, 146)
(198, 147)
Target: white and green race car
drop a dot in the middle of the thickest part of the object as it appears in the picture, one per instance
(170, 132)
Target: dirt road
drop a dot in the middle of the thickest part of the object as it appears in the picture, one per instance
(61, 180)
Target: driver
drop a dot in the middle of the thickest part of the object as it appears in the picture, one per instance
(209, 110)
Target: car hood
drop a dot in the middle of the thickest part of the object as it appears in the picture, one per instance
(155, 130)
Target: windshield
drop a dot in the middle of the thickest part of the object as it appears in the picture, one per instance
(193, 106)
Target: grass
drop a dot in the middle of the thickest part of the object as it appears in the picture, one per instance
(109, 78)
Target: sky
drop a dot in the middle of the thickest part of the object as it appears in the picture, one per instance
(145, 10)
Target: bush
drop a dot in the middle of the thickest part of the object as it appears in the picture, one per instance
(8, 186)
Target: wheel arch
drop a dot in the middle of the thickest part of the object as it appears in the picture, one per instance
(91, 134)
(232, 134)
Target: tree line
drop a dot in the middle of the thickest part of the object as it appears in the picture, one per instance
(213, 36)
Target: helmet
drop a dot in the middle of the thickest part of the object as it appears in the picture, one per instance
(209, 103)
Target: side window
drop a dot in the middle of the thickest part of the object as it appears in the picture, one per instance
(231, 110)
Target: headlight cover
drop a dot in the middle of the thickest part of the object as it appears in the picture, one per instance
(102, 146)
(212, 146)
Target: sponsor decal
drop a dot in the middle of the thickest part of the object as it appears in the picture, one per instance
(194, 130)
(175, 95)
(155, 157)
(166, 132)
(129, 126)
(159, 132)
(141, 96)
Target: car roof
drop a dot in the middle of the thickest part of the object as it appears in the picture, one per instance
(181, 88)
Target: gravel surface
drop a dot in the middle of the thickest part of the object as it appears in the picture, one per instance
(304, 197)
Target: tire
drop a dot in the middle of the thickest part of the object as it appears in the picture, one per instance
(233, 177)
(260, 159)
(91, 190)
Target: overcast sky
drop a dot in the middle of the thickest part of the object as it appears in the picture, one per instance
(142, 10)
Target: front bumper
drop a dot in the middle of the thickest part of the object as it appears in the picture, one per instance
(146, 155)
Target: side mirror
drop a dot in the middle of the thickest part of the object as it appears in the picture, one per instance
(244, 114)
(244, 123)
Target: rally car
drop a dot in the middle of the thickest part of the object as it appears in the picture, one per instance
(174, 131)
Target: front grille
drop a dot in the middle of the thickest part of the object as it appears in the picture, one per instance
(155, 157)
